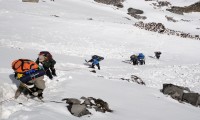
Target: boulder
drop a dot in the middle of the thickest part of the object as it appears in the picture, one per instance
(192, 98)
(111, 2)
(133, 11)
(176, 92)
(35, 1)
(78, 110)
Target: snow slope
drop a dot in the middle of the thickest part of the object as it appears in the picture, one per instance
(27, 28)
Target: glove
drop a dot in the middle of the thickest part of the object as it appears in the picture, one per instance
(35, 94)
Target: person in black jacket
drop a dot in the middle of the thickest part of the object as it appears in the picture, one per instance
(45, 58)
(157, 54)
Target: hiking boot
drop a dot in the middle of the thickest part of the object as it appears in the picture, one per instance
(40, 96)
(48, 73)
(53, 72)
(50, 77)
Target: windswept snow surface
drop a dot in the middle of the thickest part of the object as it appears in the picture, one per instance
(27, 28)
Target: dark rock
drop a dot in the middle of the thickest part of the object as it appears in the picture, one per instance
(133, 11)
(71, 100)
(111, 2)
(186, 9)
(78, 110)
(138, 16)
(192, 98)
(175, 10)
(163, 3)
(171, 19)
(176, 92)
(35, 1)
(119, 5)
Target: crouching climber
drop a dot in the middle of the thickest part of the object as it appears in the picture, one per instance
(157, 54)
(133, 58)
(47, 61)
(30, 76)
(95, 61)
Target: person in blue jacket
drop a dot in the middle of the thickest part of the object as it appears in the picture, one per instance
(141, 58)
(95, 61)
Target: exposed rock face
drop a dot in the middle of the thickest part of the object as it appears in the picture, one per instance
(160, 28)
(117, 3)
(180, 10)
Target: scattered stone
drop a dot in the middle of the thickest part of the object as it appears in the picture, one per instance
(171, 19)
(55, 15)
(134, 11)
(163, 3)
(185, 20)
(79, 109)
(127, 18)
(176, 10)
(139, 17)
(90, 19)
(101, 105)
(137, 79)
(119, 5)
(71, 100)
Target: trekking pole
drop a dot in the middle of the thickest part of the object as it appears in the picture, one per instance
(24, 85)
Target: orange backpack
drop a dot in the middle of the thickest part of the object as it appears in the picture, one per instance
(23, 65)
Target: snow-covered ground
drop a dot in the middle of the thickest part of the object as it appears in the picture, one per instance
(27, 28)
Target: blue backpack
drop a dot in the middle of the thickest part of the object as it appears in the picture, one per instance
(141, 56)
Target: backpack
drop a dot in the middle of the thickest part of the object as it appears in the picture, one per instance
(141, 56)
(46, 54)
(27, 70)
(97, 57)
(24, 65)
(133, 57)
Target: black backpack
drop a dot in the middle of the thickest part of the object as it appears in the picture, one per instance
(97, 57)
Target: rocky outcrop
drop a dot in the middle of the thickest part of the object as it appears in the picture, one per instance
(79, 109)
(117, 3)
(134, 13)
(182, 94)
(35, 1)
(186, 9)
(160, 28)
